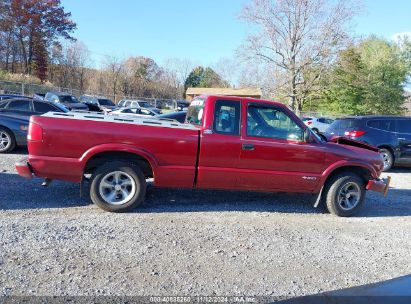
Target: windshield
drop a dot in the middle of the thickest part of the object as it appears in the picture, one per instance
(195, 112)
(68, 99)
(144, 104)
(105, 102)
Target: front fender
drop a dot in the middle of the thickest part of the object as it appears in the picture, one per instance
(341, 164)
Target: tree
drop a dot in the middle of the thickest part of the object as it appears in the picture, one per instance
(204, 78)
(33, 26)
(368, 78)
(113, 68)
(300, 37)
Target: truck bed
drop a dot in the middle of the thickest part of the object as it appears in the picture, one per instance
(70, 140)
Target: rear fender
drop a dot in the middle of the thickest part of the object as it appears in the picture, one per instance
(119, 148)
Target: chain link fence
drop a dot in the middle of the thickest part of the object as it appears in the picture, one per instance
(29, 90)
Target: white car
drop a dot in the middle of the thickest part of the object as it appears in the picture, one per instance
(140, 112)
(131, 103)
(318, 124)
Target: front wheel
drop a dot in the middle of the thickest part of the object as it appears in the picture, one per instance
(118, 186)
(344, 194)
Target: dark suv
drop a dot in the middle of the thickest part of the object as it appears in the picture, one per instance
(391, 134)
(66, 99)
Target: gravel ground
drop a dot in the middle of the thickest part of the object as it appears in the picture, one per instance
(185, 242)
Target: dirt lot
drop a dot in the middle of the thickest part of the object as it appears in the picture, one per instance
(195, 243)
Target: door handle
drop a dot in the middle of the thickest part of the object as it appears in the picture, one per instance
(248, 147)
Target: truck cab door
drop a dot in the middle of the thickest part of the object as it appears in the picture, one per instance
(404, 140)
(274, 155)
(220, 146)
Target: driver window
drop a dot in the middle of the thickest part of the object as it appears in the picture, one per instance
(271, 122)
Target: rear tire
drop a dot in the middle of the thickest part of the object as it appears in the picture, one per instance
(118, 186)
(344, 194)
(388, 158)
(7, 140)
(316, 130)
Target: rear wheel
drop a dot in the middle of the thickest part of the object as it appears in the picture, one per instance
(316, 130)
(118, 186)
(387, 158)
(7, 140)
(344, 194)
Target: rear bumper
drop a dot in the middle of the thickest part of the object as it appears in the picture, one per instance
(379, 185)
(23, 169)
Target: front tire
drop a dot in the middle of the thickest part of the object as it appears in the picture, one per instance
(344, 194)
(118, 186)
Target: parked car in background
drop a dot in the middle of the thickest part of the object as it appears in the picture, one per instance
(25, 107)
(390, 134)
(180, 116)
(39, 96)
(66, 99)
(135, 112)
(318, 124)
(10, 96)
(98, 104)
(128, 103)
(14, 119)
(182, 105)
(13, 132)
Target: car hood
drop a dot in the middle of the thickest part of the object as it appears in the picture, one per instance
(351, 142)
(110, 107)
(76, 106)
(339, 148)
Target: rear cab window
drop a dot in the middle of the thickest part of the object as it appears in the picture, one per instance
(227, 117)
(195, 112)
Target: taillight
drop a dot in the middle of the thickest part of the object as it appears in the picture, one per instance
(355, 133)
(309, 122)
(35, 132)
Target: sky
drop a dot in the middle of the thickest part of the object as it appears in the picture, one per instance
(202, 31)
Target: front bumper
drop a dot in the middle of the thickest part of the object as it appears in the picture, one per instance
(23, 169)
(379, 185)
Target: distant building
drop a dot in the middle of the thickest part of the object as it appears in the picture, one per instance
(245, 92)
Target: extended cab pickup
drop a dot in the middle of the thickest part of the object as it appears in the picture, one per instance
(226, 143)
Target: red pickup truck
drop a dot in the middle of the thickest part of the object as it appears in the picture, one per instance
(226, 143)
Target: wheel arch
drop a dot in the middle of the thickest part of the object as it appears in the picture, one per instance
(361, 171)
(102, 154)
(364, 171)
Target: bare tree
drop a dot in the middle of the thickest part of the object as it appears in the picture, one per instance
(113, 67)
(300, 38)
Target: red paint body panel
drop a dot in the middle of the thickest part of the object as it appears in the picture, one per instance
(195, 157)
(23, 169)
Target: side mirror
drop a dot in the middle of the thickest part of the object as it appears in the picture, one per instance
(307, 135)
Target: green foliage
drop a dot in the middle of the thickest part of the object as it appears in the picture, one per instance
(204, 78)
(368, 78)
